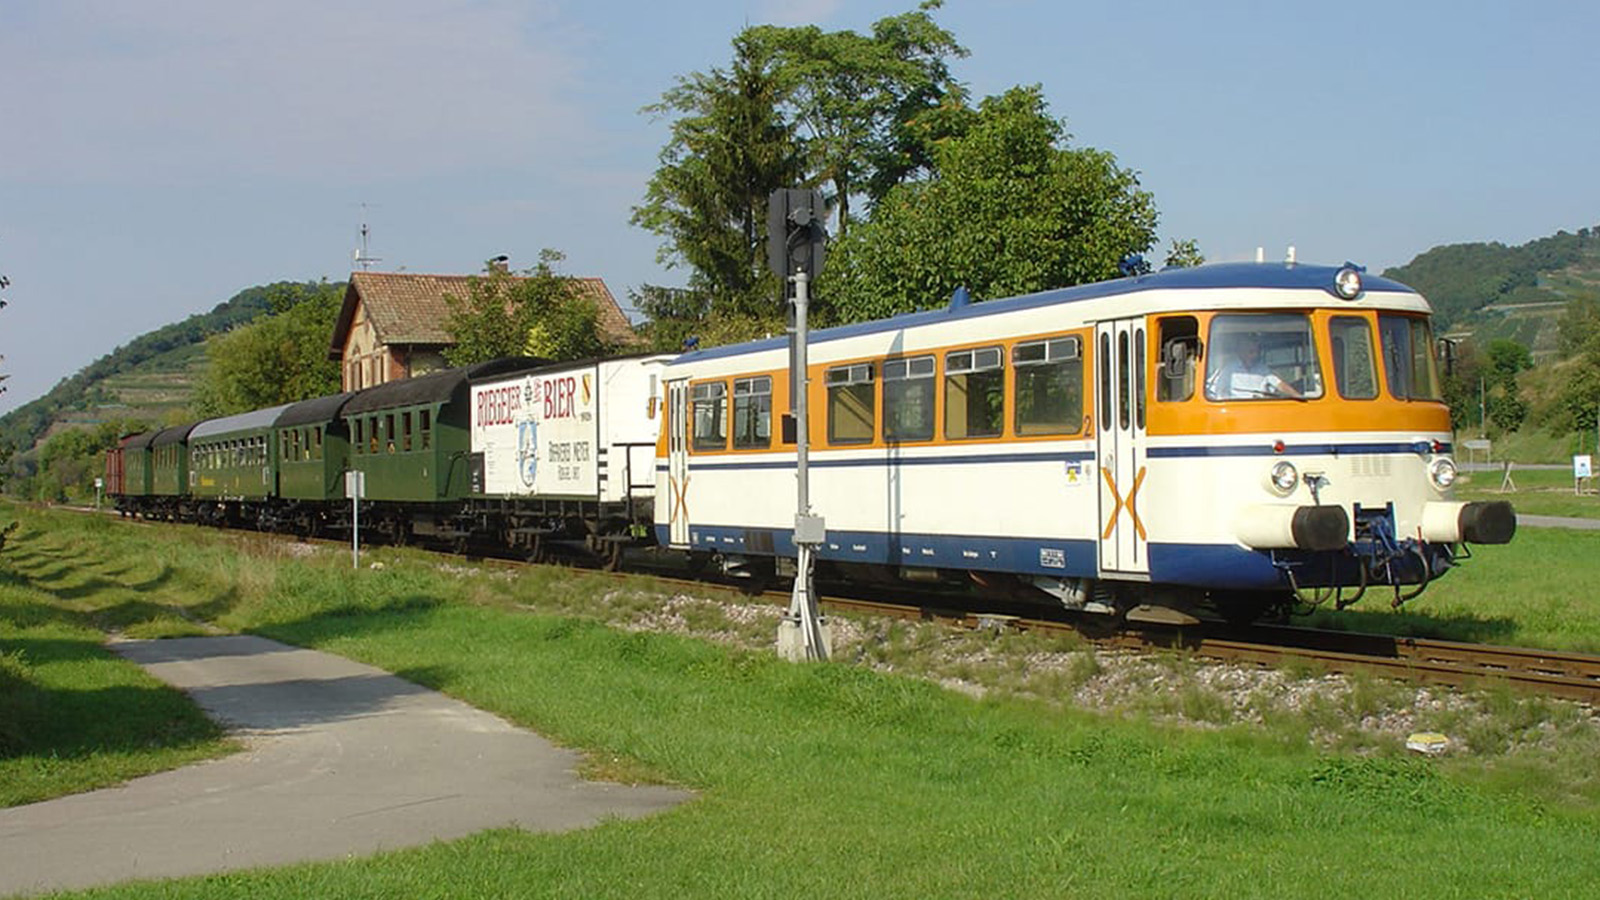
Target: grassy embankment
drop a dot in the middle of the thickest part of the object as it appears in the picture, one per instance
(820, 780)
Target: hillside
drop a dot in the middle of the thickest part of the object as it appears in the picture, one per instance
(1486, 291)
(149, 379)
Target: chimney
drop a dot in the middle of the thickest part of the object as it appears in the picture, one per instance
(499, 263)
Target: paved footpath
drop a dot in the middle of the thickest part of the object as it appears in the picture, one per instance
(342, 760)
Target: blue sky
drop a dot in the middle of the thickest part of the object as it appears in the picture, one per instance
(158, 157)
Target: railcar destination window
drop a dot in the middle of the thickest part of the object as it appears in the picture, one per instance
(1355, 372)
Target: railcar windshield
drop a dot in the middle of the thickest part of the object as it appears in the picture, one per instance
(1262, 356)
(1408, 357)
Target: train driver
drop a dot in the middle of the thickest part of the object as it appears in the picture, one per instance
(1247, 376)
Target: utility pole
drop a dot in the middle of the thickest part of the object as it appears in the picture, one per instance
(795, 253)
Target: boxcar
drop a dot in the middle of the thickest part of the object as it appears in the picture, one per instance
(565, 443)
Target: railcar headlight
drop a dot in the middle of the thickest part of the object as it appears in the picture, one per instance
(1347, 282)
(1443, 472)
(1284, 477)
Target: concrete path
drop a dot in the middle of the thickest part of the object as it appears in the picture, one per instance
(1558, 522)
(343, 760)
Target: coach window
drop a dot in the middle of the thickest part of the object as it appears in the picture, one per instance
(388, 432)
(1048, 381)
(974, 393)
(425, 427)
(710, 415)
(851, 411)
(908, 387)
(1104, 355)
(316, 442)
(1180, 354)
(358, 435)
(374, 440)
(1408, 358)
(1355, 371)
(752, 412)
(405, 432)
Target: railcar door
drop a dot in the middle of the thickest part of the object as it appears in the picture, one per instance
(678, 463)
(1120, 410)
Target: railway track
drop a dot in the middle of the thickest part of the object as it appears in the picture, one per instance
(1570, 676)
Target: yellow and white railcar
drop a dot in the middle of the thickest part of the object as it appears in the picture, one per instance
(1232, 430)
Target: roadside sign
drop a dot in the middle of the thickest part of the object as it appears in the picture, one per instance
(1582, 466)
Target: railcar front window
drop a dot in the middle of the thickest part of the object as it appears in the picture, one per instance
(1355, 371)
(1048, 377)
(974, 393)
(851, 412)
(1408, 357)
(1262, 356)
(710, 419)
(752, 412)
(908, 388)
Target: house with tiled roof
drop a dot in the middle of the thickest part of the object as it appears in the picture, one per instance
(391, 325)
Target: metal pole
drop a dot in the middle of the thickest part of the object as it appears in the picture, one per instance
(809, 530)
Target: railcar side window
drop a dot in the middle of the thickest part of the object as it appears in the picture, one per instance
(1262, 356)
(1408, 357)
(710, 418)
(425, 427)
(752, 412)
(974, 393)
(405, 432)
(357, 436)
(1180, 355)
(1355, 371)
(1048, 380)
(908, 386)
(851, 410)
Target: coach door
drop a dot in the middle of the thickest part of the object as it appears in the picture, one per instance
(677, 463)
(1120, 411)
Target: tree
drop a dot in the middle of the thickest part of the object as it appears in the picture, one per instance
(853, 97)
(1505, 359)
(1011, 210)
(728, 151)
(540, 313)
(281, 357)
(1184, 254)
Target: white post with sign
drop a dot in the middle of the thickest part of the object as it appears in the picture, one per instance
(99, 483)
(355, 486)
(1582, 471)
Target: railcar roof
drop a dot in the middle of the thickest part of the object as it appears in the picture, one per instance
(254, 420)
(1215, 276)
(435, 387)
(316, 411)
(173, 435)
(139, 441)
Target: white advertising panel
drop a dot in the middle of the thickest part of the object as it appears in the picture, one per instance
(537, 433)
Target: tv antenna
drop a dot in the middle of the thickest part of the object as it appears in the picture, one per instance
(363, 254)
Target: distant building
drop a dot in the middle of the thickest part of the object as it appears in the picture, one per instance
(392, 324)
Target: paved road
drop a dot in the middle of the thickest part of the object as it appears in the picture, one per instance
(343, 759)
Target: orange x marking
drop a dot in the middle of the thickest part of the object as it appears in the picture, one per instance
(680, 489)
(1130, 504)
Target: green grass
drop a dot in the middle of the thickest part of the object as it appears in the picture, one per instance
(1537, 591)
(831, 780)
(1542, 492)
(73, 716)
